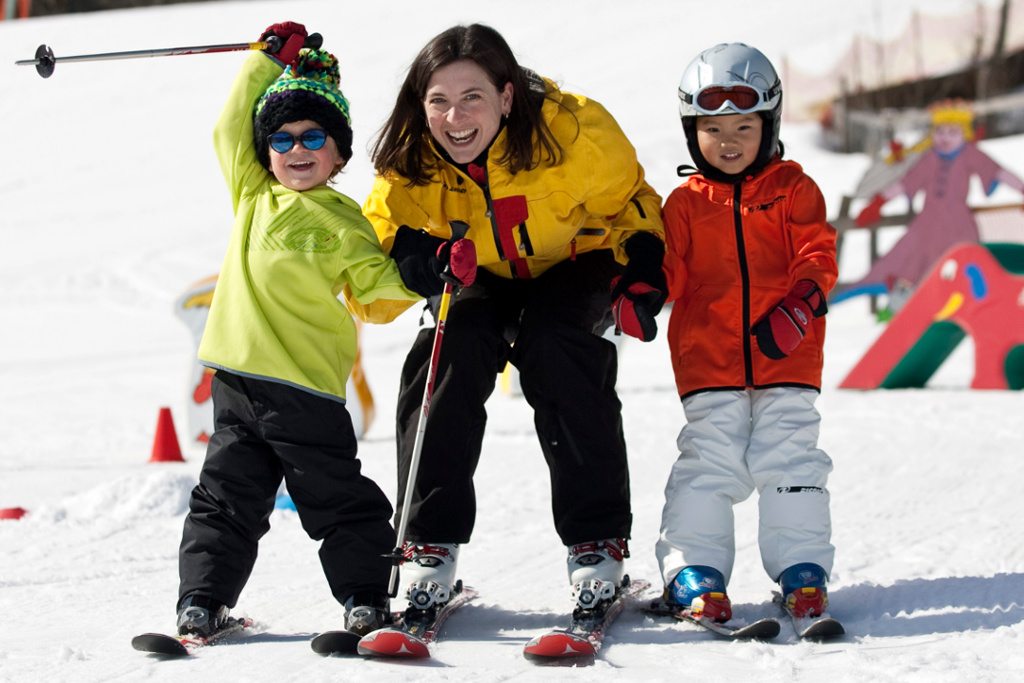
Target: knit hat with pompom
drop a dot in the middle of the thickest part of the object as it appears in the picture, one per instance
(308, 90)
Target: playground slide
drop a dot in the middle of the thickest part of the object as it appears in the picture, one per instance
(974, 289)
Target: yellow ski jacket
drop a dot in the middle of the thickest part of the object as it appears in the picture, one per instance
(527, 222)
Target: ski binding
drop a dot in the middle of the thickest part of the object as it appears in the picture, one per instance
(585, 636)
(415, 629)
(183, 646)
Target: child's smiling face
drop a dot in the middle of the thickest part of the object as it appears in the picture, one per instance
(302, 169)
(730, 142)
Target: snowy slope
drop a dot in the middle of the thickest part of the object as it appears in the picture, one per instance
(112, 204)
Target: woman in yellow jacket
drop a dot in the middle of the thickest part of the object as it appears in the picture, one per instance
(556, 202)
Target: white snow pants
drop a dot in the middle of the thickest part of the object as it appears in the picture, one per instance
(733, 443)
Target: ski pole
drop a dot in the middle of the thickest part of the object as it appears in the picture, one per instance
(45, 62)
(459, 229)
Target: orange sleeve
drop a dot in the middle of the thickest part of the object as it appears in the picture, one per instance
(813, 239)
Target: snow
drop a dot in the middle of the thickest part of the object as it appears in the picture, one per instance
(113, 205)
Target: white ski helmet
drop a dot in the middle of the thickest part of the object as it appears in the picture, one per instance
(731, 78)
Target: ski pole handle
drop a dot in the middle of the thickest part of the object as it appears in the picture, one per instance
(273, 43)
(45, 61)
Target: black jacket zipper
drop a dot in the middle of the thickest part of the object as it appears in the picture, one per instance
(741, 252)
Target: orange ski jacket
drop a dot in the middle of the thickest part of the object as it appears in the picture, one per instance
(733, 253)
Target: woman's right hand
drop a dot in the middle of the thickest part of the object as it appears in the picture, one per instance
(426, 262)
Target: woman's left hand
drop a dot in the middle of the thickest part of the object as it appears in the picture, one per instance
(458, 259)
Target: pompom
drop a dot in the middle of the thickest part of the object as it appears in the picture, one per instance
(316, 72)
(317, 65)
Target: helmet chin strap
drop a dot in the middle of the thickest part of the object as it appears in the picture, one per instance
(686, 170)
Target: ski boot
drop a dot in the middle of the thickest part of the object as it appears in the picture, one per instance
(596, 571)
(199, 615)
(365, 612)
(429, 573)
(701, 589)
(804, 591)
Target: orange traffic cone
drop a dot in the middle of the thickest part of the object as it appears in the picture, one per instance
(165, 442)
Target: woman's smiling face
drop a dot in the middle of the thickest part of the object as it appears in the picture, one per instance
(464, 109)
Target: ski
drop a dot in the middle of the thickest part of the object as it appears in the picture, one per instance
(818, 628)
(762, 629)
(583, 639)
(415, 629)
(823, 627)
(335, 643)
(184, 646)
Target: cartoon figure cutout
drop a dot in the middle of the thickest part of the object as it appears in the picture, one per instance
(945, 162)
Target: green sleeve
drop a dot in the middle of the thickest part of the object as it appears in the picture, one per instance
(373, 286)
(232, 137)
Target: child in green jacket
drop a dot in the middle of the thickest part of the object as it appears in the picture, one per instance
(283, 343)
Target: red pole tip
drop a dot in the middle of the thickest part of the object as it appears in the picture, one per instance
(165, 442)
(12, 513)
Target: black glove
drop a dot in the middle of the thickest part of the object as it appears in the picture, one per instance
(638, 295)
(426, 262)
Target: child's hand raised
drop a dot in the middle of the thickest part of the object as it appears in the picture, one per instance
(291, 37)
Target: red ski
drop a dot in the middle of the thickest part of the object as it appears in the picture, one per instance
(412, 637)
(585, 636)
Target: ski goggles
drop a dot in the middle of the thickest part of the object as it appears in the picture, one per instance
(741, 99)
(282, 142)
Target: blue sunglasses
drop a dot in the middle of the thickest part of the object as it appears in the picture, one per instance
(282, 142)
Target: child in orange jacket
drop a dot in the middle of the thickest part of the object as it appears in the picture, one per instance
(749, 259)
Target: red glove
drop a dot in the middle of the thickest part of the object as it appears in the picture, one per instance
(896, 149)
(292, 38)
(459, 259)
(635, 309)
(871, 213)
(426, 262)
(782, 329)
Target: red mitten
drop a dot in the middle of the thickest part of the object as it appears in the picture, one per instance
(292, 37)
(896, 150)
(782, 329)
(635, 310)
(871, 213)
(459, 259)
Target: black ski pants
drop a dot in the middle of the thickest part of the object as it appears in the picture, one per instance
(549, 328)
(266, 431)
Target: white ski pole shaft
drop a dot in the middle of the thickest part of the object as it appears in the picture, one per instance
(421, 428)
(459, 229)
